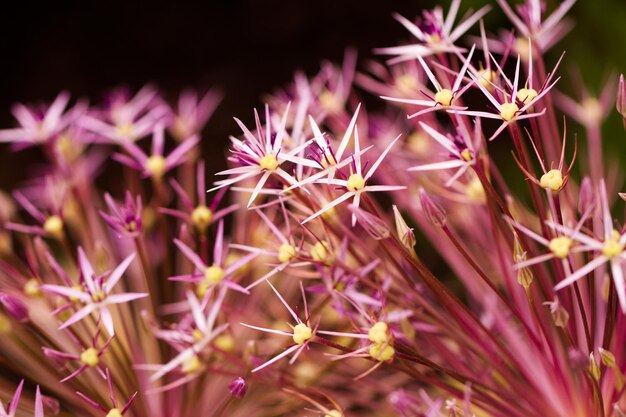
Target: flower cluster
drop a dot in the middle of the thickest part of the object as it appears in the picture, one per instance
(293, 280)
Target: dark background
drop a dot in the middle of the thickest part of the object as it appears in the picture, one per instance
(245, 47)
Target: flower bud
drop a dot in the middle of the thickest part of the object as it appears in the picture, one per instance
(405, 233)
(524, 275)
(586, 197)
(14, 307)
(620, 102)
(594, 368)
(238, 387)
(51, 407)
(373, 225)
(433, 211)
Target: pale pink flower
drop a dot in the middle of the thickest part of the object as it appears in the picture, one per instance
(444, 97)
(97, 292)
(435, 34)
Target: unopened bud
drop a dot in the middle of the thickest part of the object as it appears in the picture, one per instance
(405, 233)
(433, 211)
(594, 368)
(586, 197)
(524, 275)
(620, 103)
(607, 358)
(51, 407)
(560, 316)
(373, 225)
(14, 307)
(238, 387)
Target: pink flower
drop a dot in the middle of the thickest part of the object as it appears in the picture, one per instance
(156, 165)
(97, 293)
(435, 34)
(444, 97)
(41, 125)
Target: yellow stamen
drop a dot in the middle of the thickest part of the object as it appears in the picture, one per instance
(98, 296)
(406, 84)
(382, 352)
(268, 162)
(286, 252)
(552, 180)
(31, 288)
(330, 102)
(612, 247)
(201, 217)
(225, 342)
(54, 226)
(302, 333)
(508, 111)
(125, 130)
(526, 95)
(155, 165)
(319, 252)
(89, 357)
(560, 246)
(444, 97)
(197, 335)
(487, 78)
(114, 412)
(378, 332)
(191, 364)
(466, 154)
(355, 182)
(5, 324)
(214, 274)
(334, 413)
(475, 191)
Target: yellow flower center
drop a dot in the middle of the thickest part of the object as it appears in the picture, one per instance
(419, 143)
(508, 111)
(319, 252)
(466, 154)
(552, 180)
(406, 83)
(475, 191)
(155, 165)
(191, 364)
(5, 324)
(125, 130)
(378, 332)
(330, 102)
(286, 252)
(526, 95)
(302, 333)
(31, 288)
(268, 162)
(214, 274)
(114, 412)
(334, 413)
(522, 47)
(201, 217)
(98, 296)
(433, 38)
(382, 352)
(487, 78)
(444, 97)
(89, 357)
(224, 342)
(54, 226)
(355, 182)
(328, 159)
(612, 247)
(197, 335)
(560, 246)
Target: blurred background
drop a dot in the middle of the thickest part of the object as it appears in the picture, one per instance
(246, 47)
